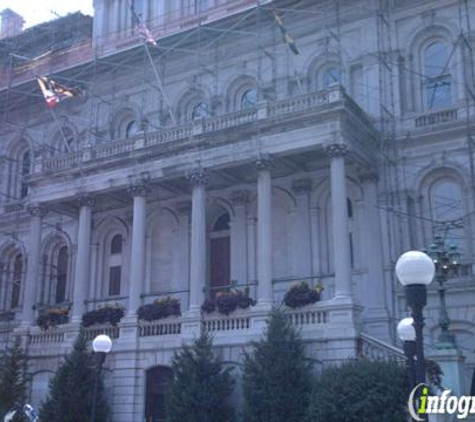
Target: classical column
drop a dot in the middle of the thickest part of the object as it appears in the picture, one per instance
(82, 271)
(184, 212)
(375, 292)
(264, 230)
(137, 258)
(34, 257)
(302, 248)
(240, 199)
(198, 179)
(341, 243)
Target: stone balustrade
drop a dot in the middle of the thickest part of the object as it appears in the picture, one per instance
(371, 348)
(170, 326)
(288, 106)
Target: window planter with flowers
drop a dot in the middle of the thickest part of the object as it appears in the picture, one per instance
(109, 314)
(302, 294)
(227, 301)
(52, 317)
(159, 309)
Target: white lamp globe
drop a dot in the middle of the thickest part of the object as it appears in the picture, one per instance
(405, 330)
(415, 267)
(102, 344)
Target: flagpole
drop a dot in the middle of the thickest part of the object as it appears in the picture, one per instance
(159, 81)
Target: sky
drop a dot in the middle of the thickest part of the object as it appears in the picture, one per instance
(37, 11)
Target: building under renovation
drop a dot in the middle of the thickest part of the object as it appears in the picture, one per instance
(255, 145)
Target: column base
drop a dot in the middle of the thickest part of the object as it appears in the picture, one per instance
(451, 362)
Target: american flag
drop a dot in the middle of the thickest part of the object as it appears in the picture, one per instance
(54, 92)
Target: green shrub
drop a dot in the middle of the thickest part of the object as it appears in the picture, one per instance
(361, 391)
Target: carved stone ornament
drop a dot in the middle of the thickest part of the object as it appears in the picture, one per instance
(197, 177)
(336, 150)
(265, 162)
(85, 200)
(37, 210)
(240, 197)
(138, 188)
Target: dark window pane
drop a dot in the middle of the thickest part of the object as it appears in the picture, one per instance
(349, 207)
(62, 277)
(114, 280)
(16, 282)
(331, 77)
(25, 171)
(249, 99)
(158, 379)
(437, 72)
(222, 223)
(116, 244)
(131, 129)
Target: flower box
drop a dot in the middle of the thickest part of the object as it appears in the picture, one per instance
(52, 317)
(159, 309)
(228, 301)
(107, 314)
(301, 295)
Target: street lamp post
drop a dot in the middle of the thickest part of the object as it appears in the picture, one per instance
(101, 345)
(415, 270)
(407, 334)
(447, 263)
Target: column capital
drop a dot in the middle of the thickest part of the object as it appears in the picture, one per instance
(265, 162)
(37, 210)
(197, 177)
(85, 200)
(240, 197)
(368, 176)
(137, 188)
(336, 150)
(302, 186)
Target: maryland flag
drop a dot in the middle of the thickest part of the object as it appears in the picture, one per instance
(286, 37)
(54, 92)
(143, 31)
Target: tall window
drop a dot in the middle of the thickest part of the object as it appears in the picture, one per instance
(158, 379)
(349, 209)
(447, 211)
(24, 172)
(131, 129)
(220, 254)
(16, 281)
(249, 99)
(331, 76)
(199, 111)
(438, 80)
(62, 274)
(115, 265)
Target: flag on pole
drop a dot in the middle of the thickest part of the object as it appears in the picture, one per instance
(143, 31)
(286, 37)
(55, 92)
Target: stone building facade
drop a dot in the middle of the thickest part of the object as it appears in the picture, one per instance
(220, 157)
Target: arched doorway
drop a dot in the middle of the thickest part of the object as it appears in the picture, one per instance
(158, 379)
(220, 254)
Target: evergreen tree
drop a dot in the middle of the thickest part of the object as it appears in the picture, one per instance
(361, 391)
(12, 379)
(200, 387)
(277, 380)
(71, 388)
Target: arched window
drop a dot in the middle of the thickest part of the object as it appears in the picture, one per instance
(158, 379)
(115, 265)
(17, 278)
(249, 99)
(331, 76)
(199, 111)
(25, 171)
(131, 129)
(447, 211)
(220, 254)
(62, 274)
(438, 80)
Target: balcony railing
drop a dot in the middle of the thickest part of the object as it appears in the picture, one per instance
(288, 106)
